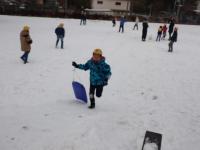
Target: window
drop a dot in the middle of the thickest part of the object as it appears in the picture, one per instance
(118, 3)
(100, 2)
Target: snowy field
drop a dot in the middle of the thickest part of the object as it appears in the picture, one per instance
(150, 89)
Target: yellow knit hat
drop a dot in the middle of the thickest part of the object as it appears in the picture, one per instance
(26, 28)
(98, 51)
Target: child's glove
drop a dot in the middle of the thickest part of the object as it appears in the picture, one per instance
(74, 64)
(30, 42)
(106, 80)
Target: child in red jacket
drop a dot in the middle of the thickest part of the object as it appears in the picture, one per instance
(164, 30)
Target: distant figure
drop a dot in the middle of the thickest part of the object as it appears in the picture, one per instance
(171, 27)
(60, 32)
(173, 39)
(144, 30)
(114, 21)
(164, 31)
(26, 42)
(83, 18)
(122, 22)
(136, 23)
(159, 33)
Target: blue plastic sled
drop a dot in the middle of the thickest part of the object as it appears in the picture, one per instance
(79, 91)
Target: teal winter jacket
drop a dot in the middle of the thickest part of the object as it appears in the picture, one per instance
(100, 71)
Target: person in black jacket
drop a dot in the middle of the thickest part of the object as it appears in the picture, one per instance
(114, 21)
(173, 39)
(60, 32)
(83, 18)
(171, 27)
(159, 33)
(144, 30)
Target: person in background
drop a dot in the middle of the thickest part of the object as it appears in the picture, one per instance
(171, 27)
(122, 22)
(83, 18)
(26, 42)
(114, 21)
(136, 23)
(60, 33)
(145, 29)
(164, 31)
(159, 33)
(173, 39)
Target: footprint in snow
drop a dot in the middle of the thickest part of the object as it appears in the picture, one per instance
(46, 130)
(25, 128)
(122, 122)
(12, 139)
(155, 97)
(46, 115)
(80, 116)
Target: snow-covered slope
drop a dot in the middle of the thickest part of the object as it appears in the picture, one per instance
(150, 89)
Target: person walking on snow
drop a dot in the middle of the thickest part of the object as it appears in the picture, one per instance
(144, 30)
(173, 39)
(164, 30)
(83, 18)
(60, 33)
(122, 22)
(159, 33)
(171, 27)
(136, 23)
(26, 42)
(114, 21)
(100, 73)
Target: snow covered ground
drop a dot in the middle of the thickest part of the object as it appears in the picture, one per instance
(150, 89)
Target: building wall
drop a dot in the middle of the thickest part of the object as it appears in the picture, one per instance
(40, 2)
(111, 4)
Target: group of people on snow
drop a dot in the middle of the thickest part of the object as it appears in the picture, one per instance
(100, 71)
(161, 34)
(26, 41)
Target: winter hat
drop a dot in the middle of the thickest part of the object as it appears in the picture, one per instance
(175, 29)
(26, 28)
(97, 51)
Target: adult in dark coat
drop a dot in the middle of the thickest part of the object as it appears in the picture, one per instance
(144, 30)
(121, 25)
(83, 18)
(173, 39)
(171, 27)
(114, 21)
(60, 32)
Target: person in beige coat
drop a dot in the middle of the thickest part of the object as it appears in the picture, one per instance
(26, 42)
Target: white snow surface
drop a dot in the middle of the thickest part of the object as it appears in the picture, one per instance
(150, 89)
